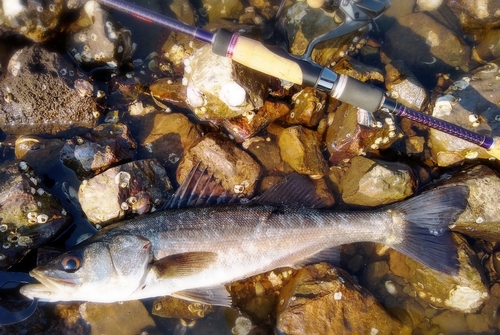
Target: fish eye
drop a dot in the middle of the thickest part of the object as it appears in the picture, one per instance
(71, 262)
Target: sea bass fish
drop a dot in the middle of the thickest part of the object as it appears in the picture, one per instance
(191, 253)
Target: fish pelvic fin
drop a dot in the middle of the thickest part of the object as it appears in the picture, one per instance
(427, 217)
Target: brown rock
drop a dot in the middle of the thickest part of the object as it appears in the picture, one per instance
(299, 147)
(321, 299)
(236, 170)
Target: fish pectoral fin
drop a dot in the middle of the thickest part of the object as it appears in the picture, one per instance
(329, 255)
(185, 264)
(215, 295)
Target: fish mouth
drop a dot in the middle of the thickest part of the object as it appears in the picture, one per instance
(49, 288)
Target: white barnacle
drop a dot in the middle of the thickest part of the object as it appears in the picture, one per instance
(473, 117)
(337, 295)
(479, 220)
(63, 71)
(122, 178)
(131, 200)
(3, 227)
(238, 189)
(42, 218)
(32, 215)
(390, 287)
(93, 36)
(124, 206)
(40, 191)
(82, 37)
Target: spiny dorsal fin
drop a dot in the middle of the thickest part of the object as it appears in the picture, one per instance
(200, 188)
(182, 265)
(216, 295)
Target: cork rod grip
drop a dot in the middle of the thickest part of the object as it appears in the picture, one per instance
(256, 56)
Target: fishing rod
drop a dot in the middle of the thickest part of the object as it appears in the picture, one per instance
(303, 71)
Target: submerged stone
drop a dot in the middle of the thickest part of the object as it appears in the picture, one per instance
(321, 299)
(404, 86)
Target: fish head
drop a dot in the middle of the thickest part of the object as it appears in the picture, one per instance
(104, 270)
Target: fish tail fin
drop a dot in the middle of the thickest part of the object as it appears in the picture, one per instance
(427, 238)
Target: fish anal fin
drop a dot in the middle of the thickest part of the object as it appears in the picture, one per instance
(185, 264)
(215, 295)
(329, 255)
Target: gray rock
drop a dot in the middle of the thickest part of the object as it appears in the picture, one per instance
(40, 95)
(97, 39)
(136, 187)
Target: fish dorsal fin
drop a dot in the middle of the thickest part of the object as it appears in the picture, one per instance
(185, 264)
(294, 190)
(200, 188)
(215, 295)
(329, 255)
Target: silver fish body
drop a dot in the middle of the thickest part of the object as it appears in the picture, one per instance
(191, 253)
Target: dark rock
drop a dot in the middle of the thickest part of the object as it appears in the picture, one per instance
(40, 96)
(29, 215)
(92, 153)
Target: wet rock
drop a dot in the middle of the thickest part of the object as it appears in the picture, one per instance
(372, 183)
(348, 135)
(30, 148)
(169, 91)
(394, 12)
(489, 48)
(450, 322)
(248, 124)
(170, 307)
(302, 24)
(36, 20)
(308, 107)
(236, 170)
(321, 299)
(41, 96)
(29, 215)
(426, 46)
(136, 187)
(105, 146)
(214, 9)
(166, 137)
(299, 147)
(490, 308)
(470, 102)
(267, 152)
(97, 39)
(429, 5)
(404, 86)
(481, 217)
(128, 317)
(357, 70)
(483, 13)
(218, 88)
(465, 292)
